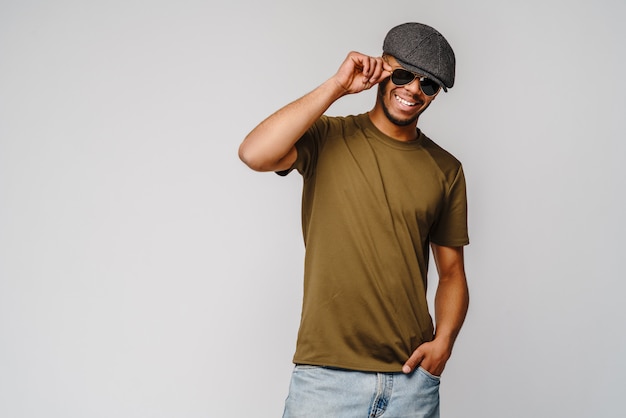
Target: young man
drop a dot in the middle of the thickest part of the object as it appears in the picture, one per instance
(377, 194)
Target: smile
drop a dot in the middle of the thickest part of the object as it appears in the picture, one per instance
(404, 102)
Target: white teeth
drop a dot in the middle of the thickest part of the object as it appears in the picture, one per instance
(404, 102)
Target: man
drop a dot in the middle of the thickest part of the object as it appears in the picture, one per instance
(377, 194)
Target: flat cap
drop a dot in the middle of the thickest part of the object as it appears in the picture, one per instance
(423, 50)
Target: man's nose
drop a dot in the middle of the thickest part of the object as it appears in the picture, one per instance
(414, 87)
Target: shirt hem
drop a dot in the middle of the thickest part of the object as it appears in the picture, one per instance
(395, 368)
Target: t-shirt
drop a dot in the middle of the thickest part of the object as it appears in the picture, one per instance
(370, 207)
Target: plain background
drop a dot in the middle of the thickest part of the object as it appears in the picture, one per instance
(146, 272)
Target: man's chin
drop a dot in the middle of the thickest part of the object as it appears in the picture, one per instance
(397, 121)
(404, 122)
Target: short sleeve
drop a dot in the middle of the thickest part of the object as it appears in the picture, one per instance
(451, 226)
(308, 147)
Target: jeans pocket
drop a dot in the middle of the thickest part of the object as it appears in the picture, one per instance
(430, 376)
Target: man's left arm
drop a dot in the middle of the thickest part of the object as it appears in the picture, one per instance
(451, 303)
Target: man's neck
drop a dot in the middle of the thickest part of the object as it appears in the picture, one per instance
(404, 133)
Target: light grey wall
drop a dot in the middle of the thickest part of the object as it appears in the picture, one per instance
(145, 272)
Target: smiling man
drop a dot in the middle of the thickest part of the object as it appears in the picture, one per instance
(378, 197)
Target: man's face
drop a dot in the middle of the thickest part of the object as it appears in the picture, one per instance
(402, 104)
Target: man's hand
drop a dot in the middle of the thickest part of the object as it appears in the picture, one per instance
(431, 356)
(360, 72)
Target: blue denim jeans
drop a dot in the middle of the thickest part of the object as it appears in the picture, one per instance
(320, 392)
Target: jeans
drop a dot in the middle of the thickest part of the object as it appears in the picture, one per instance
(320, 392)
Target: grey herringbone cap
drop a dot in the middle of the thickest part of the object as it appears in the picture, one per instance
(423, 50)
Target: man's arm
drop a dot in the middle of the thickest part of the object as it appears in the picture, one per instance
(271, 145)
(451, 303)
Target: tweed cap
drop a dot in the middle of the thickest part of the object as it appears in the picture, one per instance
(423, 50)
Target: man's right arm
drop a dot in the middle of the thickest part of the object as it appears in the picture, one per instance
(271, 145)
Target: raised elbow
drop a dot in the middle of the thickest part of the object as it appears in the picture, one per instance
(265, 159)
(251, 159)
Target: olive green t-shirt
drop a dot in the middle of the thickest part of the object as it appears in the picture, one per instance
(370, 207)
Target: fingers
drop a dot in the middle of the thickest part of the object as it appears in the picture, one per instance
(360, 72)
(373, 69)
(431, 356)
(413, 361)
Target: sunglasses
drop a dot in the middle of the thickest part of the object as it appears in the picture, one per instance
(402, 77)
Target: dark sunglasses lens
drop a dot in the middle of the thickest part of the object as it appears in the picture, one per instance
(400, 77)
(429, 87)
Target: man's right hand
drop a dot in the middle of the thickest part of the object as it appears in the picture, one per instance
(360, 72)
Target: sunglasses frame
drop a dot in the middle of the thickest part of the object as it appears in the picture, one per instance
(419, 77)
